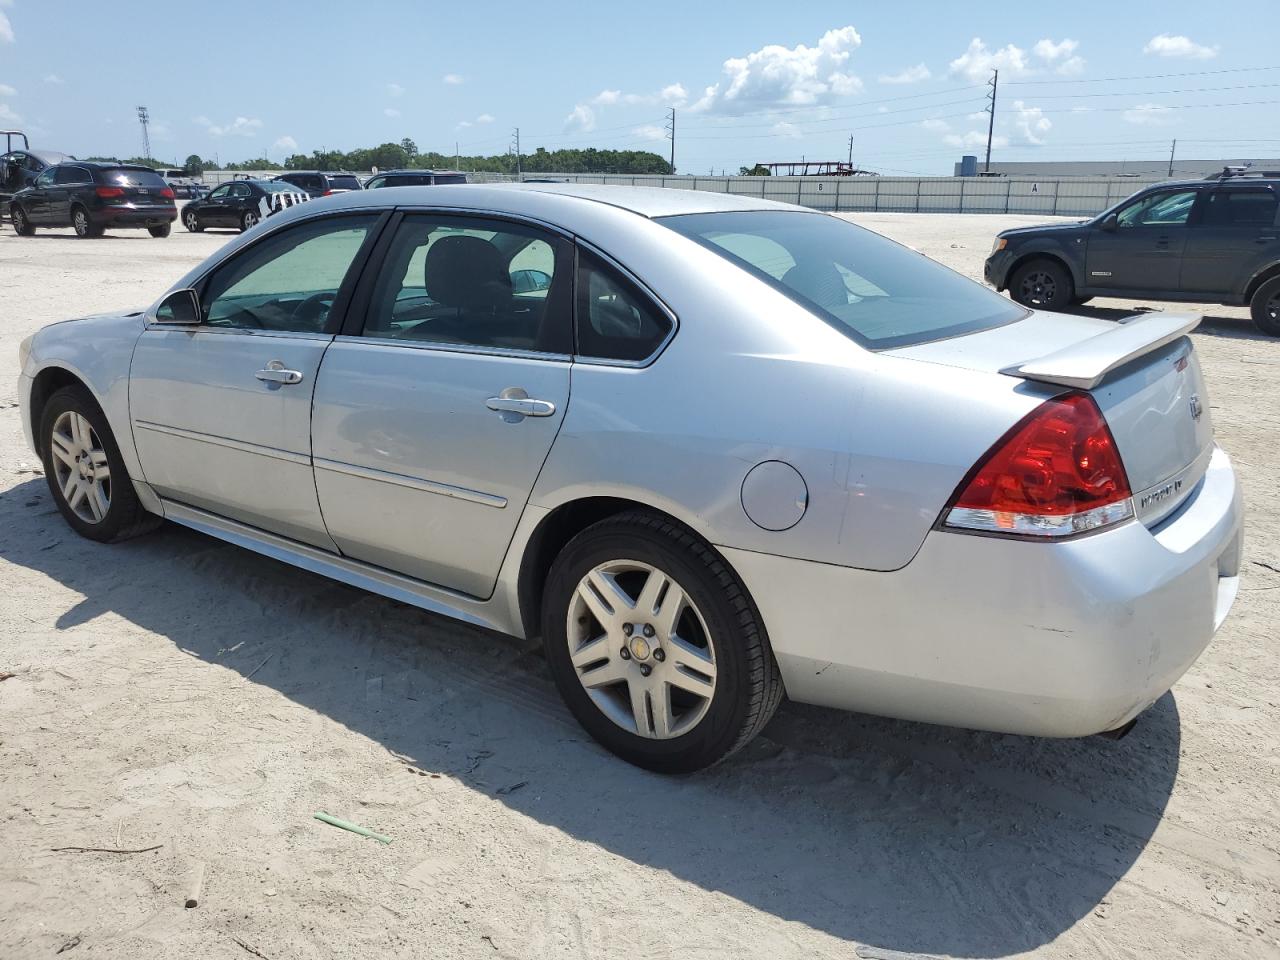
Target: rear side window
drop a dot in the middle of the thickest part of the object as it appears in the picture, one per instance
(128, 177)
(71, 175)
(1241, 208)
(344, 183)
(450, 178)
(614, 319)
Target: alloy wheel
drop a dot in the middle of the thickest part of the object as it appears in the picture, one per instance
(1272, 308)
(1039, 287)
(190, 221)
(250, 220)
(641, 649)
(80, 467)
(81, 223)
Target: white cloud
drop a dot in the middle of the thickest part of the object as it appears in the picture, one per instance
(484, 118)
(6, 28)
(1165, 45)
(7, 115)
(977, 115)
(975, 138)
(395, 90)
(285, 144)
(935, 125)
(672, 93)
(581, 119)
(1031, 123)
(910, 75)
(779, 76)
(1149, 115)
(788, 130)
(1061, 55)
(7, 91)
(977, 62)
(53, 78)
(391, 112)
(452, 79)
(606, 98)
(239, 127)
(649, 132)
(1071, 66)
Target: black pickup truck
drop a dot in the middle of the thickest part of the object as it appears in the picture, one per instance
(1202, 241)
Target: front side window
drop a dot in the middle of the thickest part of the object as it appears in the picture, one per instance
(1170, 209)
(375, 183)
(1241, 208)
(874, 291)
(220, 192)
(615, 321)
(46, 179)
(289, 281)
(473, 282)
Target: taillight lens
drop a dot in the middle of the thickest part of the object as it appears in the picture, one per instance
(167, 193)
(107, 192)
(1055, 474)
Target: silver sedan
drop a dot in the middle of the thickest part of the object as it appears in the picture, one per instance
(713, 450)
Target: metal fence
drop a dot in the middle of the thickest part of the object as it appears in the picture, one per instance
(1068, 196)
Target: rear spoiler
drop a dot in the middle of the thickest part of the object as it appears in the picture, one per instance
(1086, 364)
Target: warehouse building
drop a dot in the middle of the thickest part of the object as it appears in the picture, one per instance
(1050, 169)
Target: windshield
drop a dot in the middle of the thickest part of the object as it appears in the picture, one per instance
(875, 291)
(344, 183)
(278, 186)
(132, 177)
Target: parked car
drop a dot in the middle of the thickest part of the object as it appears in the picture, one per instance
(241, 203)
(185, 186)
(318, 183)
(1200, 241)
(797, 457)
(19, 169)
(93, 197)
(413, 178)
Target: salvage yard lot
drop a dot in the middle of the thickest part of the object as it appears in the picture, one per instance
(179, 691)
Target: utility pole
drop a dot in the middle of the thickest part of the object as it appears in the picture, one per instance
(457, 156)
(516, 147)
(1172, 150)
(671, 135)
(991, 109)
(144, 118)
(851, 151)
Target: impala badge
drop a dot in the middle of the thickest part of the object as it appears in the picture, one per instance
(1197, 408)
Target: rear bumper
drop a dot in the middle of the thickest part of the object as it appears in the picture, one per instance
(1045, 639)
(136, 216)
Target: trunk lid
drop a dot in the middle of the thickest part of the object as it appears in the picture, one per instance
(1143, 372)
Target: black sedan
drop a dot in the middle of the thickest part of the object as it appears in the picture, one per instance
(241, 203)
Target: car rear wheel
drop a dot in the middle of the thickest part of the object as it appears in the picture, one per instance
(159, 232)
(1265, 307)
(191, 221)
(83, 225)
(655, 646)
(1042, 285)
(21, 225)
(85, 471)
(248, 220)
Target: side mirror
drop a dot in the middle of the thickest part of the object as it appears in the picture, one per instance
(182, 307)
(1110, 223)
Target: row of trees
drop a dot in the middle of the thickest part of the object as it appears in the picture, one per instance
(389, 156)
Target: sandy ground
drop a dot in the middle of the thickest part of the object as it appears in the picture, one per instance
(174, 691)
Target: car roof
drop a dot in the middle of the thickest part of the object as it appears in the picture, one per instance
(48, 156)
(417, 171)
(322, 173)
(108, 165)
(553, 198)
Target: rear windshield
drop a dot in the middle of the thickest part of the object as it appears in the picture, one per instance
(131, 177)
(873, 290)
(451, 178)
(344, 183)
(278, 186)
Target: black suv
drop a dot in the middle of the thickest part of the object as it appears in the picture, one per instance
(317, 183)
(92, 197)
(413, 178)
(1202, 241)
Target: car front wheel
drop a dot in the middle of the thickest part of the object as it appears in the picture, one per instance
(1265, 307)
(192, 222)
(85, 472)
(1042, 285)
(655, 646)
(22, 226)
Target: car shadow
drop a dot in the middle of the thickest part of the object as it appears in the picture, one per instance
(890, 835)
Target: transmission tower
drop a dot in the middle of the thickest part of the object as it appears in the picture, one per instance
(144, 118)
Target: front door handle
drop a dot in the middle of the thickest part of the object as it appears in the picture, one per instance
(1265, 240)
(514, 404)
(275, 372)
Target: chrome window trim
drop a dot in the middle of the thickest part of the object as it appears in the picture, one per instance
(438, 346)
(243, 446)
(194, 328)
(413, 483)
(647, 291)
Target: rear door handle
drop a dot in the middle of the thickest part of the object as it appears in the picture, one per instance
(275, 372)
(1265, 240)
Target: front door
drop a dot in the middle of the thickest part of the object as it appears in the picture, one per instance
(36, 203)
(1237, 234)
(216, 210)
(222, 411)
(436, 409)
(1144, 251)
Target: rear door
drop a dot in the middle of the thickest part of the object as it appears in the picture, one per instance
(1144, 251)
(66, 182)
(1235, 236)
(439, 403)
(222, 411)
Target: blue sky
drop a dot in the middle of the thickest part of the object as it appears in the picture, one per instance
(750, 82)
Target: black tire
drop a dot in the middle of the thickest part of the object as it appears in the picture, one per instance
(22, 226)
(748, 686)
(249, 220)
(1042, 285)
(160, 232)
(1265, 307)
(191, 220)
(125, 517)
(83, 224)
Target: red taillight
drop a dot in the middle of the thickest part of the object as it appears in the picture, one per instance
(327, 193)
(1054, 474)
(167, 193)
(110, 191)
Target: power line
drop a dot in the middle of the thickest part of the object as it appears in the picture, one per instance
(1146, 76)
(838, 118)
(1152, 93)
